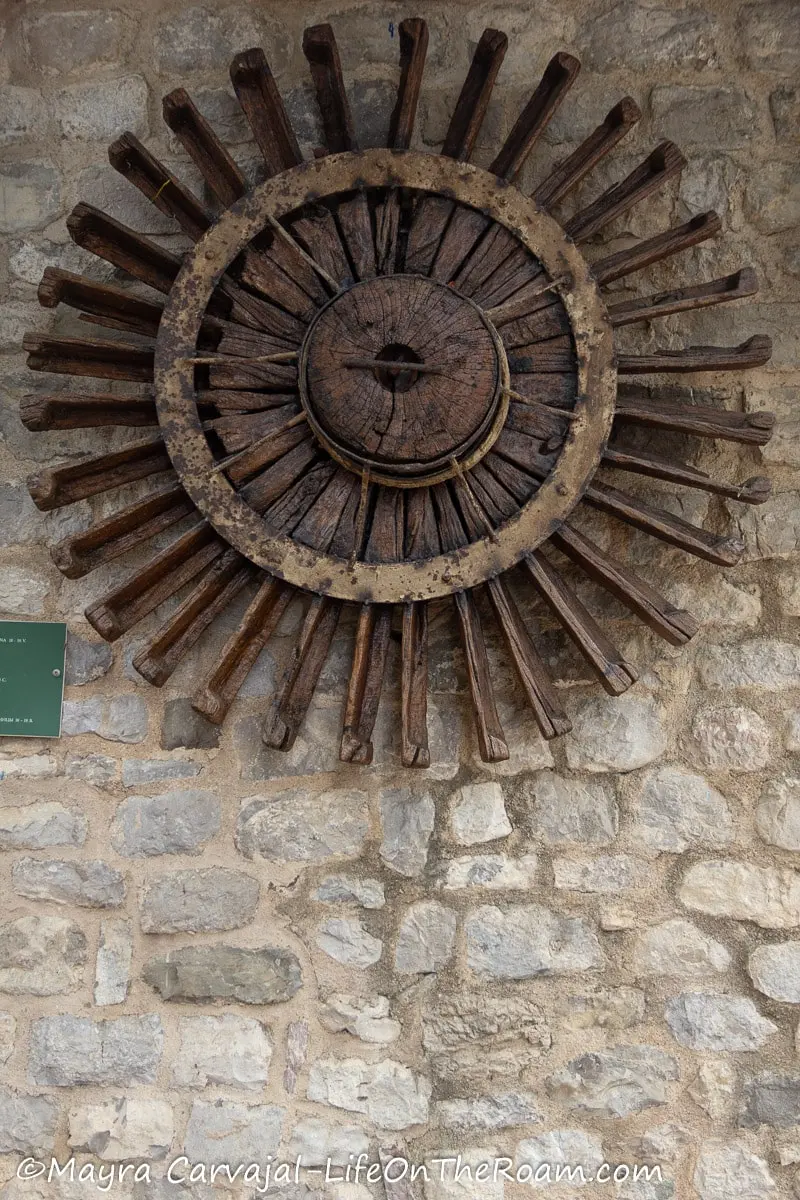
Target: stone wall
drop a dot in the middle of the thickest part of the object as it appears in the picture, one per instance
(588, 953)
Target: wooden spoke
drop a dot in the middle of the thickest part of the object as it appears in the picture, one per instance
(293, 697)
(319, 524)
(300, 680)
(533, 675)
(752, 491)
(615, 674)
(124, 606)
(428, 224)
(492, 496)
(555, 356)
(58, 486)
(278, 476)
(265, 450)
(413, 48)
(241, 342)
(487, 257)
(98, 360)
(510, 277)
(100, 234)
(319, 47)
(718, 291)
(225, 180)
(294, 260)
(414, 749)
(662, 164)
(66, 410)
(257, 313)
(753, 353)
(571, 170)
(492, 743)
(355, 223)
(467, 118)
(228, 400)
(317, 233)
(100, 303)
(540, 424)
(298, 256)
(635, 405)
(548, 391)
(387, 231)
(261, 102)
(133, 160)
(550, 322)
(243, 373)
(656, 249)
(106, 540)
(421, 533)
(558, 78)
(217, 587)
(673, 624)
(286, 513)
(219, 689)
(517, 482)
(460, 239)
(539, 292)
(421, 541)
(348, 540)
(277, 281)
(722, 550)
(238, 431)
(373, 635)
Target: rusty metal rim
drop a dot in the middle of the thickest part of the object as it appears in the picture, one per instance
(408, 475)
(243, 528)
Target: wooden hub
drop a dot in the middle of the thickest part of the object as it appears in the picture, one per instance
(440, 410)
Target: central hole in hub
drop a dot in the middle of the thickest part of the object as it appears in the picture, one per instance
(394, 378)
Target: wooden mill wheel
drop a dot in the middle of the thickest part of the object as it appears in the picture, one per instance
(383, 378)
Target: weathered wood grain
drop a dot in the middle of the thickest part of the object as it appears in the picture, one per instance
(558, 78)
(141, 168)
(319, 47)
(472, 103)
(716, 548)
(413, 48)
(614, 672)
(224, 179)
(261, 102)
(105, 540)
(673, 624)
(571, 170)
(656, 249)
(55, 487)
(662, 164)
(216, 589)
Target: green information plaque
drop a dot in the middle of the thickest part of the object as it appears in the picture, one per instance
(31, 677)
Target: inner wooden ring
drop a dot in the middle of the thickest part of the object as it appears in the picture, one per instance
(407, 427)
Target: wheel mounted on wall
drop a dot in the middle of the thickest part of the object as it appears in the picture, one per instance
(380, 378)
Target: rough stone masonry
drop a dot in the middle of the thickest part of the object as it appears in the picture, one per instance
(590, 952)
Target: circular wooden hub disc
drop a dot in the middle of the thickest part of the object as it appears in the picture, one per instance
(421, 422)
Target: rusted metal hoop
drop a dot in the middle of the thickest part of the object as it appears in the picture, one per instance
(243, 528)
